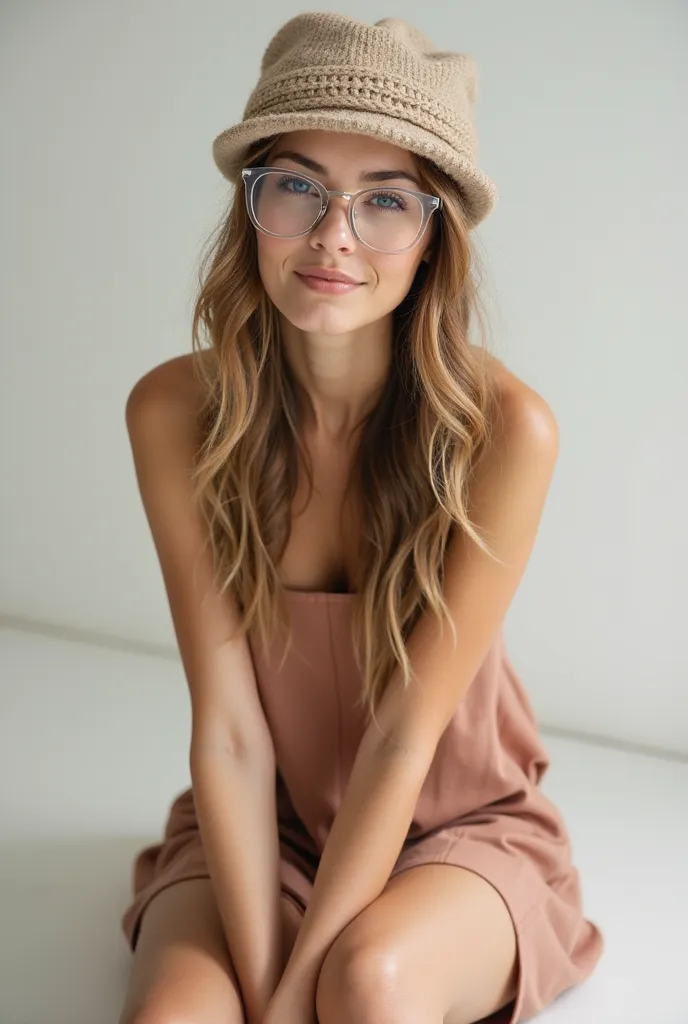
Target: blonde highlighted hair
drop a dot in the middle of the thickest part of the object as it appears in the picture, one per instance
(414, 457)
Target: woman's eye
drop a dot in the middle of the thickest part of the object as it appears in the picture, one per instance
(295, 185)
(387, 201)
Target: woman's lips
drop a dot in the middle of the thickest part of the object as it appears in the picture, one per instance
(321, 284)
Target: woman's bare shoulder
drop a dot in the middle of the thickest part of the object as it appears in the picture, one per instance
(173, 385)
(509, 387)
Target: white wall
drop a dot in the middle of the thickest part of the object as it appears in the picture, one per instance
(108, 190)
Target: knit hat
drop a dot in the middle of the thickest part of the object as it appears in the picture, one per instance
(332, 72)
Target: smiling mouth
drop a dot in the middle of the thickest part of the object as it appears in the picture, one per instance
(326, 277)
(331, 286)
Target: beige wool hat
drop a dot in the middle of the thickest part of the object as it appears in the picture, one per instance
(332, 72)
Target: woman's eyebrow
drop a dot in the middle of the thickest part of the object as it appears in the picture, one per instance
(313, 165)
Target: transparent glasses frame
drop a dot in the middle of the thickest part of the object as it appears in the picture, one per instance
(251, 175)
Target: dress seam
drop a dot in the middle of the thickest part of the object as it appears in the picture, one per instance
(335, 683)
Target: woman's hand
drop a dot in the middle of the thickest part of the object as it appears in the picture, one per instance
(292, 1002)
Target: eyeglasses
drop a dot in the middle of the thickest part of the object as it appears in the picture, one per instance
(287, 204)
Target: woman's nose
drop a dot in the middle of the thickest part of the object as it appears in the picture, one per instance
(335, 225)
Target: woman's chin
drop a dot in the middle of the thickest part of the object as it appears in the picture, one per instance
(322, 321)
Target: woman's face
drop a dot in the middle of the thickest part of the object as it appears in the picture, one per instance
(338, 161)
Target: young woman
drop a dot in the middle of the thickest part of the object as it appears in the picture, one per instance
(344, 492)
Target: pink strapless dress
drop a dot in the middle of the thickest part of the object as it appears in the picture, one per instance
(480, 807)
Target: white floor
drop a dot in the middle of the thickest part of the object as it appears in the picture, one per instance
(94, 748)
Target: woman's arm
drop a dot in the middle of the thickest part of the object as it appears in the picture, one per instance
(235, 806)
(231, 754)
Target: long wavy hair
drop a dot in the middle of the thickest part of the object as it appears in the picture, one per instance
(414, 455)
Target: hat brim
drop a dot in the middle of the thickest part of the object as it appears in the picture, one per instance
(230, 147)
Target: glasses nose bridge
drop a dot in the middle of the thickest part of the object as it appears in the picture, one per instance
(333, 192)
(336, 194)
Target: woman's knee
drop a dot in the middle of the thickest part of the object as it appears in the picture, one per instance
(182, 972)
(361, 982)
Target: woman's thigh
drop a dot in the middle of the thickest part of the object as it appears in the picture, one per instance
(438, 944)
(181, 967)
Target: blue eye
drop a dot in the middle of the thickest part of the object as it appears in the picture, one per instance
(285, 182)
(388, 197)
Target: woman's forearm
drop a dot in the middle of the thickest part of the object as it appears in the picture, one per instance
(236, 811)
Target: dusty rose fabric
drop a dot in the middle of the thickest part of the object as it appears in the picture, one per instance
(480, 806)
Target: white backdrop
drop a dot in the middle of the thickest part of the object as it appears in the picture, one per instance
(108, 191)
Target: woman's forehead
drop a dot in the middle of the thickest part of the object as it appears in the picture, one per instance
(326, 147)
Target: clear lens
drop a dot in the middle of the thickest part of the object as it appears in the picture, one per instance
(388, 219)
(287, 204)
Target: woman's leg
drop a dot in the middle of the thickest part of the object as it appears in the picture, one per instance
(438, 946)
(181, 968)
